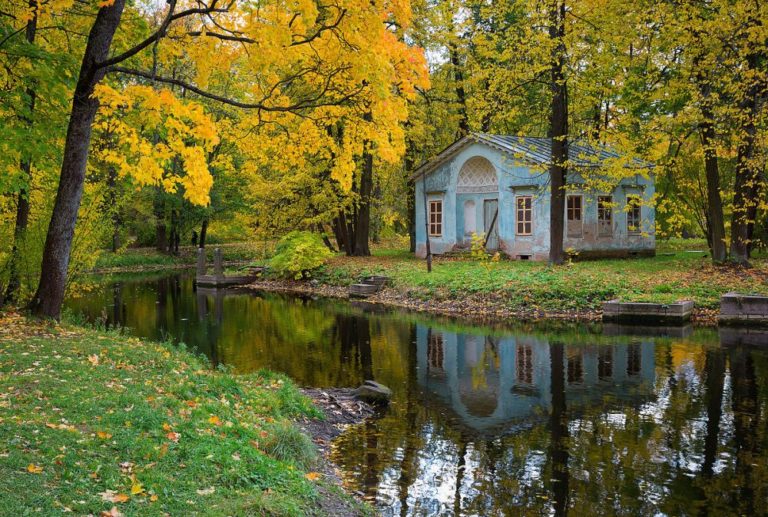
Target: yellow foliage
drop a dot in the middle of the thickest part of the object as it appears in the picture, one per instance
(157, 139)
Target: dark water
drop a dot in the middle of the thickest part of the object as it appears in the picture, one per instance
(533, 420)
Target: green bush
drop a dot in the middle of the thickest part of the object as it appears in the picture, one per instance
(298, 254)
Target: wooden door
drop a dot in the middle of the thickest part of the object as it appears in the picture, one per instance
(491, 223)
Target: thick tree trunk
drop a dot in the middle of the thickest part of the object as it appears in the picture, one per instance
(461, 96)
(558, 428)
(558, 131)
(715, 218)
(58, 243)
(747, 177)
(363, 219)
(714, 212)
(338, 233)
(22, 206)
(203, 233)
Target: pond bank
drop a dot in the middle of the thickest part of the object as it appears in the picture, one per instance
(481, 308)
(97, 421)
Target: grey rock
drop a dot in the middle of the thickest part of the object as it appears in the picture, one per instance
(373, 393)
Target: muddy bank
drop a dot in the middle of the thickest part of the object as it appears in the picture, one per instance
(341, 409)
(474, 307)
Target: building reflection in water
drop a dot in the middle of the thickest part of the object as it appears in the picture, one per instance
(528, 421)
(489, 382)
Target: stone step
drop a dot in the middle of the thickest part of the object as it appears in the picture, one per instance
(363, 290)
(743, 310)
(654, 313)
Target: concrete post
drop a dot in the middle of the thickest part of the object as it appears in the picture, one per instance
(200, 262)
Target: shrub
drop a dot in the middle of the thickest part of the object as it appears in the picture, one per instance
(298, 254)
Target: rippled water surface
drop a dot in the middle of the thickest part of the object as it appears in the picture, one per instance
(544, 419)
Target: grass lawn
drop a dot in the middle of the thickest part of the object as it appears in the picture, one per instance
(137, 258)
(675, 273)
(95, 422)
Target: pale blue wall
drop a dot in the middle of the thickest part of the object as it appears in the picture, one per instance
(515, 179)
(456, 387)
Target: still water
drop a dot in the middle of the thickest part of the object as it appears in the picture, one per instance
(530, 420)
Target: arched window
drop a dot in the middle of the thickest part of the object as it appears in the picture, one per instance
(470, 217)
(477, 175)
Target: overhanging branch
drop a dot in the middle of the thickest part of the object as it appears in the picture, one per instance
(305, 104)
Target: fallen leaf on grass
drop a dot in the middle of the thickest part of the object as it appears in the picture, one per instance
(93, 359)
(137, 488)
(206, 491)
(103, 435)
(34, 469)
(174, 437)
(114, 512)
(153, 498)
(111, 496)
(214, 420)
(313, 476)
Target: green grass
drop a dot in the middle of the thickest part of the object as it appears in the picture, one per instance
(672, 275)
(138, 258)
(86, 416)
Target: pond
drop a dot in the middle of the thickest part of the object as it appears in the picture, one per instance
(528, 419)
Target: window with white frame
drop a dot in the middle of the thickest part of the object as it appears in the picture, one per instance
(633, 213)
(435, 217)
(604, 216)
(574, 215)
(524, 215)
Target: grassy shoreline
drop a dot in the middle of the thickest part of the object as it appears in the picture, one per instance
(95, 421)
(486, 290)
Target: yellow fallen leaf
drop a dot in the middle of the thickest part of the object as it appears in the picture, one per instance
(214, 420)
(103, 435)
(167, 427)
(34, 469)
(313, 476)
(153, 497)
(136, 487)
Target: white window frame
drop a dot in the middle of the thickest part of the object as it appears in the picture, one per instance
(636, 228)
(523, 221)
(605, 230)
(574, 227)
(436, 224)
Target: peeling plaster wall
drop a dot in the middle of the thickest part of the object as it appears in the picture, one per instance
(519, 179)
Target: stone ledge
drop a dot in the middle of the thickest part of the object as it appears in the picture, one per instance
(643, 312)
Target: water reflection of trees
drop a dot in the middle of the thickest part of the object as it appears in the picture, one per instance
(694, 446)
(602, 433)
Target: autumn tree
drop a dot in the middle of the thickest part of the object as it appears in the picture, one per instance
(311, 56)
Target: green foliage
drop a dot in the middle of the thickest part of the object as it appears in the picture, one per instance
(298, 254)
